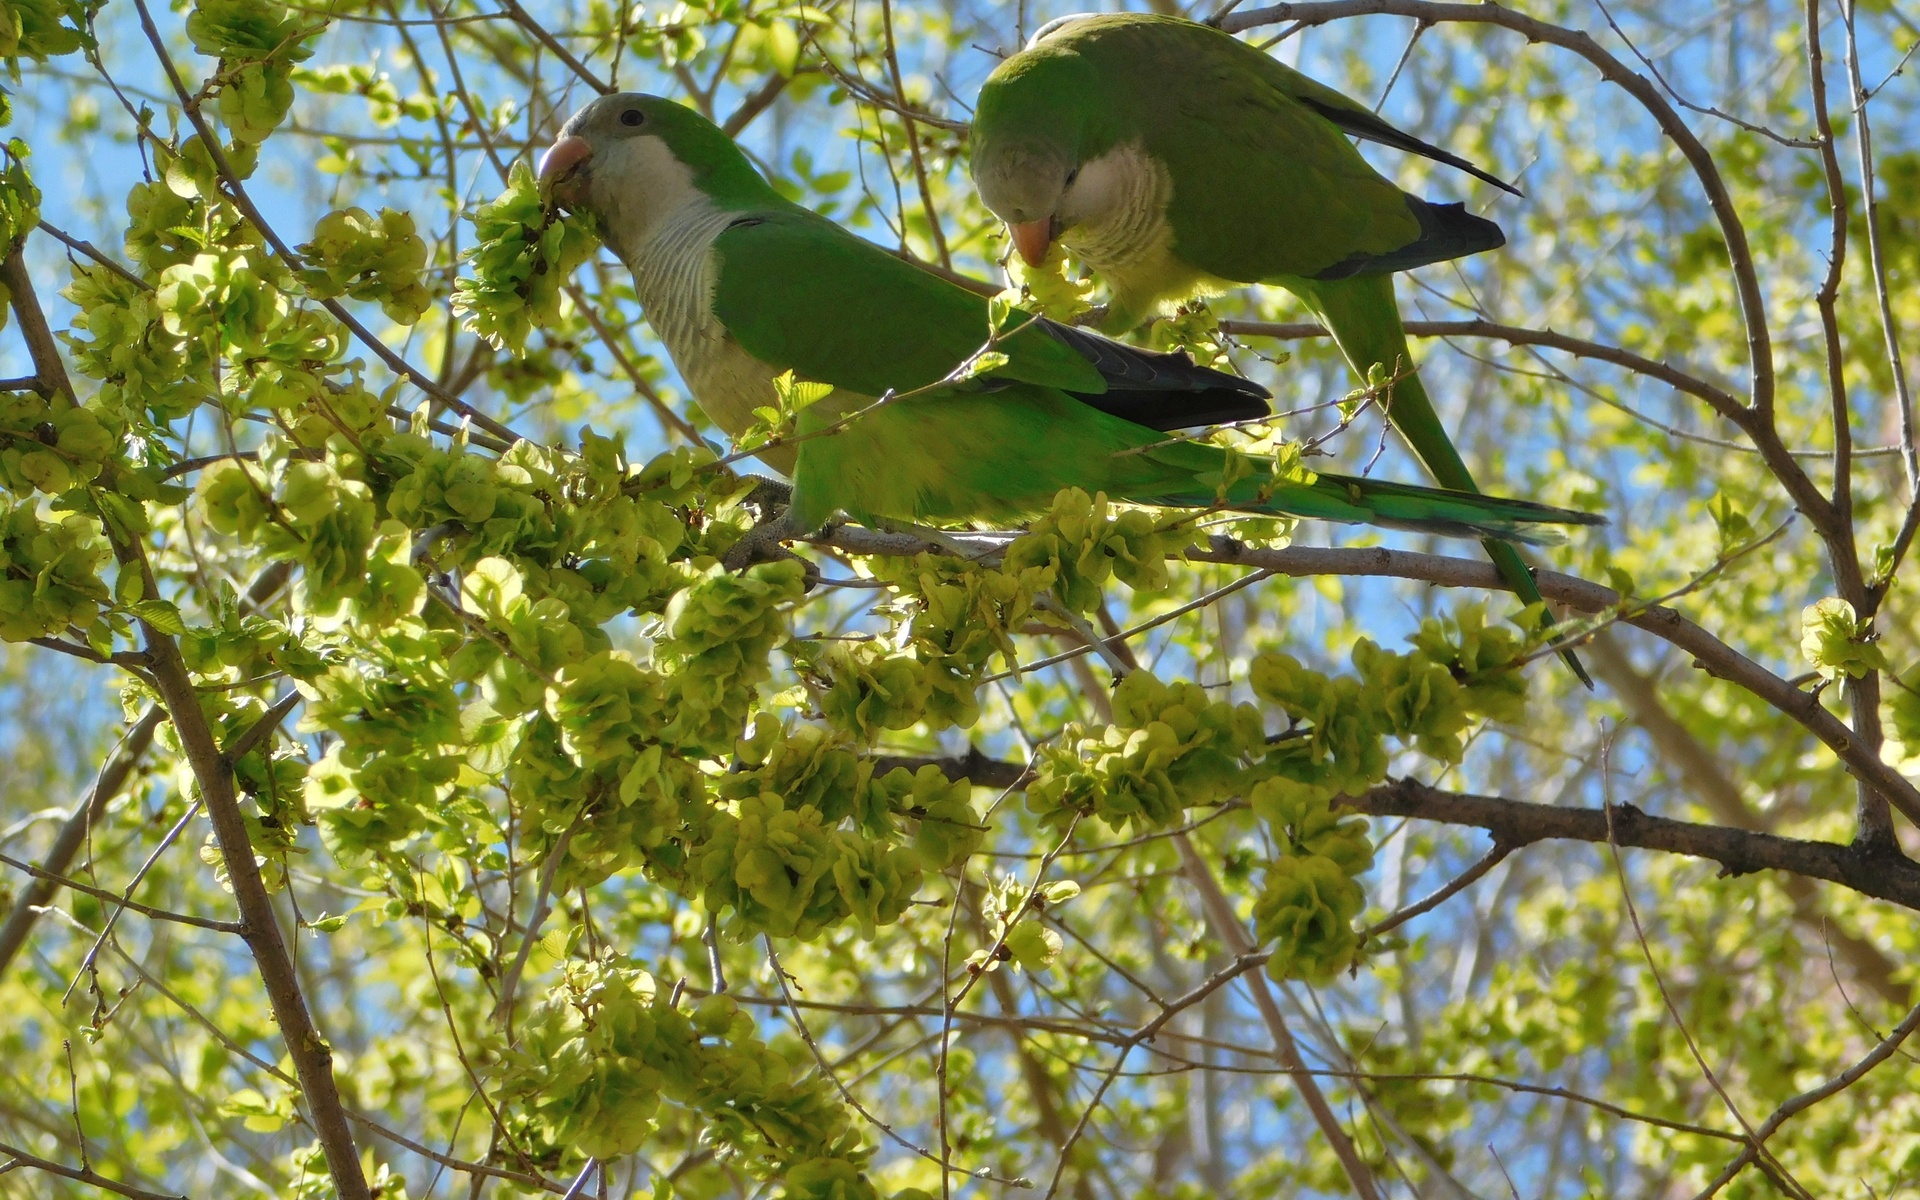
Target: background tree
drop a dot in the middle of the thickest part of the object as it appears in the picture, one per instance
(401, 800)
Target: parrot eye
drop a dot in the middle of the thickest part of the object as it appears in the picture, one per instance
(1072, 175)
(633, 118)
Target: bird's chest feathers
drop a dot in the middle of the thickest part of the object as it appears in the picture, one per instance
(1119, 227)
(675, 271)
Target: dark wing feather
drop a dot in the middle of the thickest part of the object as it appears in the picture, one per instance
(1447, 231)
(1158, 389)
(1369, 127)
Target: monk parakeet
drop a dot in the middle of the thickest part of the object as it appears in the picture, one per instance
(1178, 161)
(742, 286)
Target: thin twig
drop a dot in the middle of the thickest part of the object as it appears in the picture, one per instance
(262, 729)
(119, 898)
(820, 1060)
(1812, 1096)
(542, 904)
(1453, 887)
(1227, 927)
(1778, 1172)
(113, 775)
(87, 1175)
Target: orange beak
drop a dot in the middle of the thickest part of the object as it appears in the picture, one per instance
(560, 162)
(1032, 239)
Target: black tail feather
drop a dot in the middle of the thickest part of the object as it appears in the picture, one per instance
(1447, 231)
(1158, 389)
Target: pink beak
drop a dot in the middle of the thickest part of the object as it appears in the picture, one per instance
(1031, 238)
(561, 159)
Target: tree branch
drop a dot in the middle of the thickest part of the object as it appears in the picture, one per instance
(262, 729)
(1723, 402)
(87, 1175)
(1518, 823)
(311, 1056)
(1890, 877)
(1709, 652)
(1703, 772)
(1874, 821)
(1227, 927)
(1442, 894)
(53, 879)
(73, 834)
(1812, 1096)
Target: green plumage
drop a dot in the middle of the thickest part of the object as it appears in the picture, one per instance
(797, 290)
(1001, 456)
(801, 294)
(743, 286)
(1254, 179)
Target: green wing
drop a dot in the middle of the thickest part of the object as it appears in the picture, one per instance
(799, 293)
(1362, 122)
(1263, 185)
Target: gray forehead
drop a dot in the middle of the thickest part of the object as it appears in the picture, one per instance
(596, 109)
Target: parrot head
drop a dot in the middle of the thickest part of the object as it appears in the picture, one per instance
(1038, 143)
(632, 159)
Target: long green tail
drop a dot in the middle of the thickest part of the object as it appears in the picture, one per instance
(1364, 319)
(1396, 506)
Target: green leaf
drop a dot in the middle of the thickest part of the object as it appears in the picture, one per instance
(161, 614)
(1033, 945)
(1837, 642)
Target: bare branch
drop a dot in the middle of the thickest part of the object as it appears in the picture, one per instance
(1719, 399)
(73, 835)
(1812, 1096)
(1450, 889)
(913, 137)
(1518, 823)
(525, 21)
(87, 1175)
(1873, 818)
(947, 1166)
(54, 879)
(1227, 927)
(308, 1049)
(262, 729)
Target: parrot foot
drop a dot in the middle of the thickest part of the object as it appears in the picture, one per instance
(762, 543)
(768, 495)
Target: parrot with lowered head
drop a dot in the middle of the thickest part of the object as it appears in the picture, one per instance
(742, 286)
(1178, 162)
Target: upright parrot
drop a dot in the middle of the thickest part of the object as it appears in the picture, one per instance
(742, 285)
(1178, 161)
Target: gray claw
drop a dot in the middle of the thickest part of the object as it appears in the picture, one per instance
(762, 543)
(768, 495)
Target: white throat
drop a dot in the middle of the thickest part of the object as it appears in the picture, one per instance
(665, 232)
(648, 189)
(1117, 207)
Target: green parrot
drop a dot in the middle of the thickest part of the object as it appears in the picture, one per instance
(743, 286)
(1178, 161)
